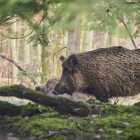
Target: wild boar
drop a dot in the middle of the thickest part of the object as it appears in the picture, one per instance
(104, 73)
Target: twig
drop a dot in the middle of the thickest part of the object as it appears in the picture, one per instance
(6, 19)
(57, 51)
(136, 3)
(25, 35)
(129, 34)
(20, 68)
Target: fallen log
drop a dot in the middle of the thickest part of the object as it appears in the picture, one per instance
(60, 104)
(30, 109)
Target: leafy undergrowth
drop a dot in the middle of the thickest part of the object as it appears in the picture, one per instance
(112, 122)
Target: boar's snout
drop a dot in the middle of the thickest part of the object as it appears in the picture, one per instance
(59, 89)
(54, 92)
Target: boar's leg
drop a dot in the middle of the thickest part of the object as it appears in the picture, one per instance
(101, 96)
(102, 99)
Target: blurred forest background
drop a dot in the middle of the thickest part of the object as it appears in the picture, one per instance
(35, 33)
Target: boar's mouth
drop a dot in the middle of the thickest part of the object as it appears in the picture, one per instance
(54, 92)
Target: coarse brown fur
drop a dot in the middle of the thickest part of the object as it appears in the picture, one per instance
(104, 73)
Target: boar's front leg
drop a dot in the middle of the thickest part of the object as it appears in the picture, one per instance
(101, 96)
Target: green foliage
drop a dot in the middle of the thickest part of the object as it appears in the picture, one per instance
(99, 15)
(25, 9)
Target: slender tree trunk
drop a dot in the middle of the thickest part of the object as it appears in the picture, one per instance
(114, 41)
(105, 40)
(115, 38)
(73, 43)
(39, 52)
(26, 46)
(87, 42)
(14, 56)
(44, 57)
(18, 40)
(0, 43)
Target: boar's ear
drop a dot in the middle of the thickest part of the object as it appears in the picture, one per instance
(62, 58)
(71, 62)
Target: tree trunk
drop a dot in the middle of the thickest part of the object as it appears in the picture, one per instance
(115, 38)
(73, 43)
(44, 43)
(87, 42)
(105, 40)
(14, 55)
(18, 35)
(39, 52)
(26, 46)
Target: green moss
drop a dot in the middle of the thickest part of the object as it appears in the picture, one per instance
(135, 136)
(9, 109)
(54, 96)
(137, 104)
(58, 137)
(93, 101)
(15, 87)
(84, 108)
(76, 127)
(31, 91)
(9, 88)
(31, 109)
(23, 110)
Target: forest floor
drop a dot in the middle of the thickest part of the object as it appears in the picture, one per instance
(113, 122)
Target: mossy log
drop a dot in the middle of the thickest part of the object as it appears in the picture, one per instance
(60, 104)
(8, 109)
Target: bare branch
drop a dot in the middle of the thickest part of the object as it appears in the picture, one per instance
(38, 23)
(6, 19)
(136, 3)
(57, 51)
(20, 68)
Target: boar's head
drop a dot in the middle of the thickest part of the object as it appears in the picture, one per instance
(71, 79)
